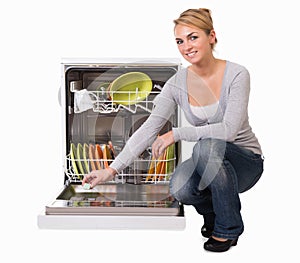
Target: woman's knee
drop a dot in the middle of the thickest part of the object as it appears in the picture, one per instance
(180, 180)
(183, 193)
(208, 156)
(208, 148)
(180, 194)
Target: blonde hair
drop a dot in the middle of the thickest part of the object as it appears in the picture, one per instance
(200, 18)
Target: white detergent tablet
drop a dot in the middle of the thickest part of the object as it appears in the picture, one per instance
(86, 186)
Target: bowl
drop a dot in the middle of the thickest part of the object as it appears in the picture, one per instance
(130, 88)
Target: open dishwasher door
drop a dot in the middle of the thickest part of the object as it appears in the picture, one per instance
(114, 206)
(98, 119)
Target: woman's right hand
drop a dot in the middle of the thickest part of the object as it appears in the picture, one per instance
(161, 143)
(99, 176)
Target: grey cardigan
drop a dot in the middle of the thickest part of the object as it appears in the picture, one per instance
(230, 123)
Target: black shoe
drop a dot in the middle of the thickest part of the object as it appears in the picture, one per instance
(206, 231)
(219, 246)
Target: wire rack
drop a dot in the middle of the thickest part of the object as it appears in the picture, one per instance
(104, 101)
(140, 172)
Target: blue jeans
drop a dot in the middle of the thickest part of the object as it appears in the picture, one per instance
(211, 181)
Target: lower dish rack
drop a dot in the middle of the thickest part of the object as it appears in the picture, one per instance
(141, 171)
(84, 158)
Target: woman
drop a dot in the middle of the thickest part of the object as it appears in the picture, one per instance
(227, 157)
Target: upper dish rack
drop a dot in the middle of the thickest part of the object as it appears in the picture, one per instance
(106, 101)
(131, 102)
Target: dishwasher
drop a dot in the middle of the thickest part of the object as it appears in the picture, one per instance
(103, 103)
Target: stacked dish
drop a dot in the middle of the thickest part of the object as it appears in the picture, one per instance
(161, 168)
(88, 157)
(130, 88)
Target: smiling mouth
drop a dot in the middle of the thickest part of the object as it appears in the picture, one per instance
(191, 54)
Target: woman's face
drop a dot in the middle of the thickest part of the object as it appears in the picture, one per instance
(193, 43)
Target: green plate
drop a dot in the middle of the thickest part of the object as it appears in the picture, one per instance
(80, 160)
(73, 158)
(130, 88)
(170, 161)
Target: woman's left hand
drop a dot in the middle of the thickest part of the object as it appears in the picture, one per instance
(161, 143)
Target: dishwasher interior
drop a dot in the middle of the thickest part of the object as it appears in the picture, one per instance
(103, 104)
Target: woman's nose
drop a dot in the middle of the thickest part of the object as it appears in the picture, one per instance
(186, 46)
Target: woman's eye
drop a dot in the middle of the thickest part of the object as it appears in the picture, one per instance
(179, 42)
(193, 38)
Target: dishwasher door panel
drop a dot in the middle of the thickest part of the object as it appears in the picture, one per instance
(111, 222)
(114, 206)
(117, 199)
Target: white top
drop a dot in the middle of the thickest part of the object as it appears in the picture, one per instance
(205, 112)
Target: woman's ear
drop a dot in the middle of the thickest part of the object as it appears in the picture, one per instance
(212, 37)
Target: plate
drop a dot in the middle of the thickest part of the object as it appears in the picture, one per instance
(161, 165)
(73, 158)
(112, 150)
(86, 157)
(170, 162)
(80, 160)
(130, 88)
(92, 157)
(157, 167)
(106, 155)
(98, 157)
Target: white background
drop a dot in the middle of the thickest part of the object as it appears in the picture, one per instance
(35, 35)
